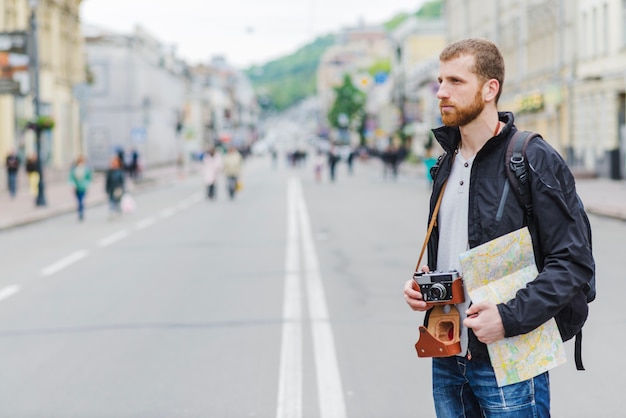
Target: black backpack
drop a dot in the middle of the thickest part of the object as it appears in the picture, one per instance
(572, 318)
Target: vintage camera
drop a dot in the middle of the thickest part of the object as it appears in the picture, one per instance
(440, 336)
(438, 287)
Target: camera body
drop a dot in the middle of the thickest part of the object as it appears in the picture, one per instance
(439, 287)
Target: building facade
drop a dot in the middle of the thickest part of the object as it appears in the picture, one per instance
(61, 68)
(566, 71)
(136, 98)
(599, 119)
(418, 43)
(225, 109)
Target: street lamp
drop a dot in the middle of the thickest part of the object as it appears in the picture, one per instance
(34, 64)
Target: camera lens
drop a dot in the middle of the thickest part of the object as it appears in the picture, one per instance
(437, 292)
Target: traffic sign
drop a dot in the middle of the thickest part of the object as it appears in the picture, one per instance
(13, 42)
(8, 86)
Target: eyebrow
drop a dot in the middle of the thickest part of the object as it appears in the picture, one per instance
(452, 77)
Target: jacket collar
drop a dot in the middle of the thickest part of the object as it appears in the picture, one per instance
(450, 136)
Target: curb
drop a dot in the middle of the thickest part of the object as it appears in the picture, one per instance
(607, 212)
(51, 212)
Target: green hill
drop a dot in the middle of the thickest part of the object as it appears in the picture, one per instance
(287, 80)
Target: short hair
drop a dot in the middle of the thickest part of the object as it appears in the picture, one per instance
(488, 62)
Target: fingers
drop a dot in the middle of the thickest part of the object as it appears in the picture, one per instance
(474, 309)
(484, 319)
(413, 297)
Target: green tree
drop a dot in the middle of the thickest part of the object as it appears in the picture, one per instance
(349, 101)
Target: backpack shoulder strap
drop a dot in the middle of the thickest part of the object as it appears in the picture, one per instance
(516, 168)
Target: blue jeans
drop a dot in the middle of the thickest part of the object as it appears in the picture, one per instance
(468, 389)
(80, 197)
(12, 180)
(232, 186)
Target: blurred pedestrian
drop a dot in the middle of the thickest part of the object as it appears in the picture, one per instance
(114, 186)
(319, 165)
(232, 170)
(133, 164)
(350, 161)
(333, 159)
(13, 164)
(119, 151)
(32, 171)
(211, 167)
(80, 179)
(390, 159)
(429, 162)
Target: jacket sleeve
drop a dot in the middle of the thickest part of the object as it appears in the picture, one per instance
(562, 253)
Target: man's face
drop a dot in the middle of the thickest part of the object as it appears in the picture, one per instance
(460, 92)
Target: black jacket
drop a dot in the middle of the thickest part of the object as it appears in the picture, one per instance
(114, 180)
(563, 258)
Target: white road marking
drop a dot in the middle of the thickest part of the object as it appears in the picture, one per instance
(329, 386)
(184, 204)
(290, 372)
(106, 241)
(167, 212)
(144, 223)
(64, 262)
(9, 291)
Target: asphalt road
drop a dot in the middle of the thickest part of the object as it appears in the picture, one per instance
(286, 302)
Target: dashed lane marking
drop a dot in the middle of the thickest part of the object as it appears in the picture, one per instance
(9, 291)
(106, 241)
(64, 262)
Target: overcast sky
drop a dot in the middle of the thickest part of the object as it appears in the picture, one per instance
(247, 32)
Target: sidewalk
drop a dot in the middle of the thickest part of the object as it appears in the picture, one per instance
(60, 198)
(600, 196)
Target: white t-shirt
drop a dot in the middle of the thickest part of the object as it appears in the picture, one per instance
(452, 221)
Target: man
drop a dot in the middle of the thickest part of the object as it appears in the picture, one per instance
(231, 165)
(13, 164)
(475, 138)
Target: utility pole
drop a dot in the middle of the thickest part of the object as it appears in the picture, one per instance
(34, 63)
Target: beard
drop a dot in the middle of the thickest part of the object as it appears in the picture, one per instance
(462, 116)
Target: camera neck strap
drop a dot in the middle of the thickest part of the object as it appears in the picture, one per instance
(431, 224)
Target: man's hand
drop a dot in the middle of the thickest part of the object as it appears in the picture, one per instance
(484, 319)
(413, 297)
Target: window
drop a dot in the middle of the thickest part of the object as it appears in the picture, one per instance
(623, 23)
(584, 42)
(594, 32)
(605, 29)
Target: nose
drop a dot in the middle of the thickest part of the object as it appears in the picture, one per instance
(442, 93)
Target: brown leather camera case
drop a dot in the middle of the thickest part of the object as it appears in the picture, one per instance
(442, 338)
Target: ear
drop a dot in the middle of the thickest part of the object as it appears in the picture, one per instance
(490, 89)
